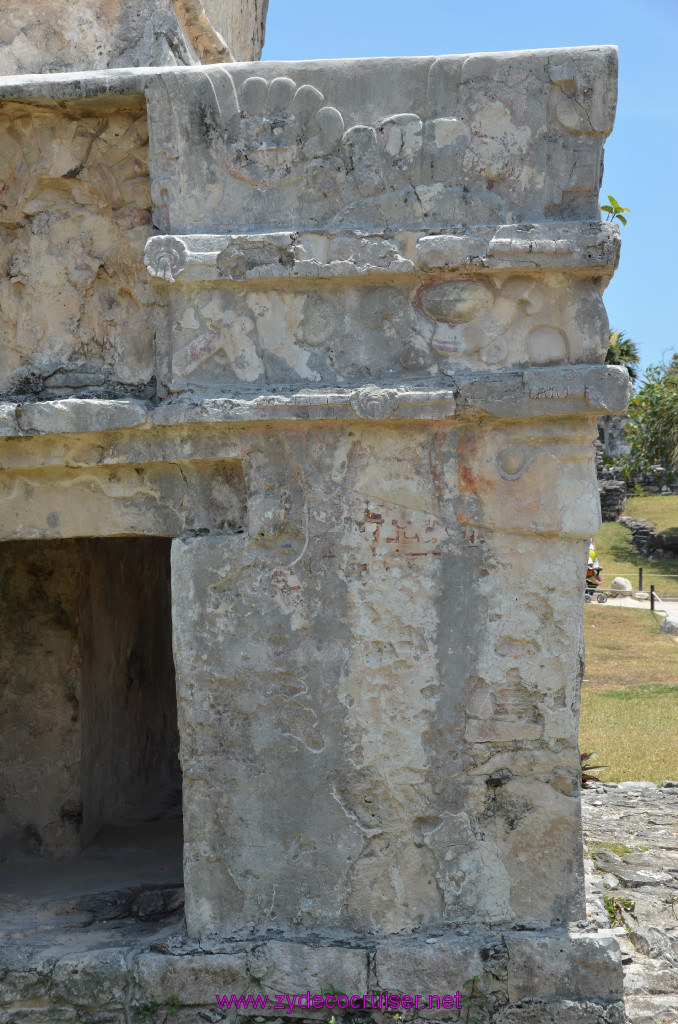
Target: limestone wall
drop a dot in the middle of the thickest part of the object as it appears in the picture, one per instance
(40, 693)
(76, 309)
(377, 369)
(62, 35)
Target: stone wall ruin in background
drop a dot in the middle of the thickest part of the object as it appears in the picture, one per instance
(357, 384)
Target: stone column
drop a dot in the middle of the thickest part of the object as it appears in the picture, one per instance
(379, 682)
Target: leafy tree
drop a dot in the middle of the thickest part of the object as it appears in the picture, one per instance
(652, 423)
(622, 351)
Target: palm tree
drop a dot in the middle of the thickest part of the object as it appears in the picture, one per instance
(622, 351)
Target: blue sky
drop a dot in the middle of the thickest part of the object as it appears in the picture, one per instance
(641, 156)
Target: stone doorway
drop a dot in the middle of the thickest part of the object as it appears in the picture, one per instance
(89, 744)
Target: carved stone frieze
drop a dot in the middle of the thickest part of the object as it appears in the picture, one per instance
(590, 248)
(443, 141)
(265, 335)
(268, 133)
(531, 394)
(374, 403)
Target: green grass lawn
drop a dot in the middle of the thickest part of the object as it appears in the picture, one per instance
(629, 707)
(618, 556)
(659, 509)
(629, 712)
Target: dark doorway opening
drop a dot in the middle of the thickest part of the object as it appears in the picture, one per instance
(130, 742)
(91, 795)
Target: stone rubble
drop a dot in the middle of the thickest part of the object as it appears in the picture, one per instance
(631, 831)
(650, 543)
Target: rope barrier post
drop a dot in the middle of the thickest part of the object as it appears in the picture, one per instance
(652, 597)
(640, 578)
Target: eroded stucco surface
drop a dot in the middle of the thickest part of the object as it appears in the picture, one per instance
(408, 678)
(74, 216)
(62, 35)
(356, 390)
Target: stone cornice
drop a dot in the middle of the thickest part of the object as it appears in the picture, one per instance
(517, 394)
(86, 84)
(589, 247)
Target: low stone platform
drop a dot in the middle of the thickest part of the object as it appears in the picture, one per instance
(524, 977)
(100, 939)
(70, 953)
(75, 947)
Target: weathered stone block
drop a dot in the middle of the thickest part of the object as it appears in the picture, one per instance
(94, 979)
(159, 499)
(191, 979)
(60, 35)
(44, 1015)
(562, 1011)
(444, 966)
(575, 966)
(73, 415)
(18, 985)
(295, 968)
(74, 219)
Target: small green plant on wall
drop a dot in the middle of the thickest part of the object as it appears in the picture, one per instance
(617, 907)
(473, 1001)
(149, 1011)
(614, 211)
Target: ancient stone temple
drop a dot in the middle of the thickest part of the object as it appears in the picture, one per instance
(301, 367)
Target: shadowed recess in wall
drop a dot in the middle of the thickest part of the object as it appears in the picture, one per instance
(88, 717)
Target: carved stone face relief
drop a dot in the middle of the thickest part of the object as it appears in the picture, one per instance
(526, 480)
(317, 321)
(511, 461)
(374, 403)
(165, 257)
(456, 302)
(510, 321)
(276, 130)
